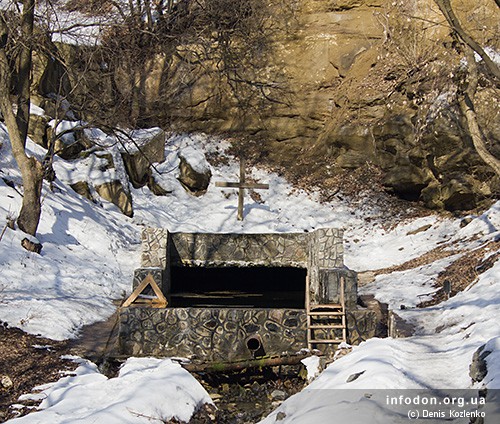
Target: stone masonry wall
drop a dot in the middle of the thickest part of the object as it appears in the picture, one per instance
(329, 286)
(326, 251)
(238, 249)
(154, 247)
(210, 334)
(221, 334)
(322, 248)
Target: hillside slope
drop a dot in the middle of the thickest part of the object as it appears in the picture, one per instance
(90, 251)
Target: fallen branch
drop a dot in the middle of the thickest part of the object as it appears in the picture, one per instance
(265, 361)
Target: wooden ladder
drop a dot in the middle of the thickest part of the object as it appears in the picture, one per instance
(332, 313)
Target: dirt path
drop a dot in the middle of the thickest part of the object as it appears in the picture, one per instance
(96, 341)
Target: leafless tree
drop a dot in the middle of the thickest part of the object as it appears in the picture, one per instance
(227, 40)
(17, 38)
(470, 80)
(20, 36)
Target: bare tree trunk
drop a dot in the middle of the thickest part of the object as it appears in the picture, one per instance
(24, 72)
(467, 109)
(453, 21)
(466, 102)
(31, 168)
(31, 210)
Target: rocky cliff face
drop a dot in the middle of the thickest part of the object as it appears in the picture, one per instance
(368, 81)
(341, 85)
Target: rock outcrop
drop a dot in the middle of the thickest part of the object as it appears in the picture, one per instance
(103, 178)
(103, 170)
(363, 83)
(339, 84)
(194, 171)
(138, 157)
(114, 192)
(478, 367)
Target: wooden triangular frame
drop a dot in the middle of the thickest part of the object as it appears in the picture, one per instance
(159, 302)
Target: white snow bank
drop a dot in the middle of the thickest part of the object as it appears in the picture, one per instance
(94, 169)
(146, 390)
(87, 260)
(281, 208)
(379, 247)
(313, 366)
(408, 288)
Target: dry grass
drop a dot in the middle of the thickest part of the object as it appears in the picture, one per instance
(427, 258)
(362, 187)
(465, 271)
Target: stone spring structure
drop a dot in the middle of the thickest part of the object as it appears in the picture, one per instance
(246, 312)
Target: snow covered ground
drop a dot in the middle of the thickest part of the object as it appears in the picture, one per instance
(90, 251)
(145, 390)
(433, 363)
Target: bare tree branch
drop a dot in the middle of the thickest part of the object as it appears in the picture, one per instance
(466, 103)
(454, 22)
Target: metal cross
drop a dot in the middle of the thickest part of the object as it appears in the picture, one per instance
(241, 186)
